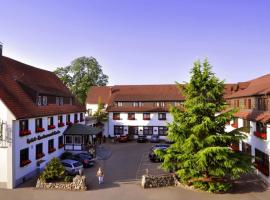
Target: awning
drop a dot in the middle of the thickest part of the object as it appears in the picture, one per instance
(81, 129)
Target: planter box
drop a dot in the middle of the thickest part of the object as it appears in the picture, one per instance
(50, 127)
(260, 135)
(25, 132)
(61, 124)
(39, 130)
(25, 162)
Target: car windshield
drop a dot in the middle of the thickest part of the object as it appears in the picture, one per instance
(77, 164)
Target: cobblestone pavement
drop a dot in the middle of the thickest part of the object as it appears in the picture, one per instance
(123, 167)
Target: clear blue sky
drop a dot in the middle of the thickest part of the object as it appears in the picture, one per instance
(141, 41)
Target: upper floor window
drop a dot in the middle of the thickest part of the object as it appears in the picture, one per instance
(246, 126)
(236, 103)
(262, 104)
(44, 100)
(247, 103)
(51, 123)
(116, 116)
(68, 118)
(81, 117)
(162, 116)
(24, 128)
(261, 127)
(39, 127)
(76, 118)
(137, 104)
(51, 146)
(160, 104)
(119, 104)
(39, 151)
(131, 116)
(60, 121)
(24, 157)
(146, 116)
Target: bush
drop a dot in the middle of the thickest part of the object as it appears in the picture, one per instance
(201, 185)
(65, 155)
(219, 187)
(68, 179)
(53, 171)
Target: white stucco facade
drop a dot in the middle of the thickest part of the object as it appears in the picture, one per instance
(12, 173)
(139, 121)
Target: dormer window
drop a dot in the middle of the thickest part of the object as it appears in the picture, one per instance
(59, 101)
(160, 104)
(44, 100)
(70, 100)
(137, 104)
(39, 100)
(119, 104)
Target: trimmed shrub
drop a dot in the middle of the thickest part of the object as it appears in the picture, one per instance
(53, 171)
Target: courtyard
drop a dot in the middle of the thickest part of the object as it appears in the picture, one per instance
(123, 164)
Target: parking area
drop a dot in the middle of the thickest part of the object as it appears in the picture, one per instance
(123, 167)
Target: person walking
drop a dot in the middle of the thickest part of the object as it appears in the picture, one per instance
(100, 175)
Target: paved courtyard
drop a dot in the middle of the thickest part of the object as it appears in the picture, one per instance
(124, 164)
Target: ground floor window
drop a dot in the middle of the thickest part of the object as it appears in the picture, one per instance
(39, 151)
(77, 139)
(69, 139)
(162, 130)
(118, 130)
(133, 130)
(60, 142)
(51, 146)
(246, 148)
(262, 162)
(148, 130)
(24, 157)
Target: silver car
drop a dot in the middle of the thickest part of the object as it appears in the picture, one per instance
(72, 166)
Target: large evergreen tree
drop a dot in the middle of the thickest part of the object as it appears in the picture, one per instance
(200, 155)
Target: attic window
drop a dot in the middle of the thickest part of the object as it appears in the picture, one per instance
(44, 100)
(59, 101)
(70, 101)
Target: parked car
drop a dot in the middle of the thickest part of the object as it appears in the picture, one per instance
(72, 166)
(154, 139)
(86, 159)
(123, 138)
(141, 138)
(152, 154)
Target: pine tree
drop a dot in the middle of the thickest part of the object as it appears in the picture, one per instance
(200, 155)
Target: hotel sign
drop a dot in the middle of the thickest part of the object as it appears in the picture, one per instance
(40, 137)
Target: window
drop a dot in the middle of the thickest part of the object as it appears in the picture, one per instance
(260, 127)
(131, 116)
(177, 103)
(137, 104)
(51, 146)
(69, 139)
(146, 116)
(262, 104)
(81, 117)
(68, 118)
(44, 100)
(160, 104)
(246, 126)
(247, 103)
(118, 130)
(61, 101)
(70, 101)
(133, 130)
(235, 122)
(116, 116)
(24, 128)
(77, 139)
(246, 148)
(23, 125)
(162, 130)
(148, 130)
(119, 104)
(262, 162)
(39, 151)
(76, 118)
(162, 116)
(24, 157)
(236, 103)
(60, 142)
(50, 120)
(60, 119)
(39, 100)
(39, 127)
(57, 101)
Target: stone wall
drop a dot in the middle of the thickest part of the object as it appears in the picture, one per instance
(150, 181)
(78, 184)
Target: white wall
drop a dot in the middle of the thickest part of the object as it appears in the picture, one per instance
(21, 143)
(6, 158)
(92, 107)
(154, 121)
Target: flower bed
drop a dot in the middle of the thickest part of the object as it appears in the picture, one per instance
(39, 129)
(25, 132)
(260, 135)
(25, 162)
(61, 124)
(50, 127)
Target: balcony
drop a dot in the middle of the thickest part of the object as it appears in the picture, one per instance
(260, 135)
(25, 132)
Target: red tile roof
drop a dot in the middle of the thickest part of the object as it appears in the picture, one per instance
(14, 75)
(262, 116)
(258, 86)
(96, 93)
